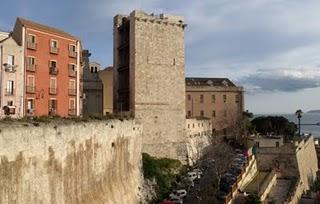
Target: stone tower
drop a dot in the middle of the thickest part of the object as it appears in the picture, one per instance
(149, 79)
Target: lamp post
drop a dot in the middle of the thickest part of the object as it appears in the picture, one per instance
(299, 116)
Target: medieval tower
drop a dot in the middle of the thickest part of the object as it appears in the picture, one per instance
(149, 79)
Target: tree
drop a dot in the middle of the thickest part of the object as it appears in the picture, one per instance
(299, 116)
(276, 125)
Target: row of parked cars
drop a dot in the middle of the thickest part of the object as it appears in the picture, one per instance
(230, 177)
(177, 195)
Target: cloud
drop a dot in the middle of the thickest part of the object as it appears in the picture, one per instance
(286, 80)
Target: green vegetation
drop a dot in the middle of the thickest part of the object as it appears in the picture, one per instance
(277, 125)
(252, 199)
(165, 171)
(249, 127)
(316, 186)
(36, 120)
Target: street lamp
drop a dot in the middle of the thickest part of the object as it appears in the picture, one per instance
(299, 115)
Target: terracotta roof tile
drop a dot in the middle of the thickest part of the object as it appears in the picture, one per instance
(45, 28)
(209, 82)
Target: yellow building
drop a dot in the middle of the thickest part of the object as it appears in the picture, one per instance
(106, 76)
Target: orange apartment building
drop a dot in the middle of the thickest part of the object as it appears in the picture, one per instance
(218, 99)
(52, 69)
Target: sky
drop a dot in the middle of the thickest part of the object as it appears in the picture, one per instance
(270, 47)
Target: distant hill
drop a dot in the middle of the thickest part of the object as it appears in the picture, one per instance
(314, 111)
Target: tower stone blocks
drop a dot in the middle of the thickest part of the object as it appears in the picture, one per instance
(150, 79)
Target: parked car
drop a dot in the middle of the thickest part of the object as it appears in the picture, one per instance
(195, 174)
(178, 194)
(220, 195)
(172, 201)
(225, 187)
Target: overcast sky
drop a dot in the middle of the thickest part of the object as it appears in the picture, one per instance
(271, 47)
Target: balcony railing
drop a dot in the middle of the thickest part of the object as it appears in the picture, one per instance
(53, 70)
(30, 89)
(72, 92)
(72, 72)
(10, 68)
(54, 50)
(32, 45)
(52, 111)
(31, 67)
(72, 111)
(30, 111)
(52, 91)
(9, 92)
(72, 54)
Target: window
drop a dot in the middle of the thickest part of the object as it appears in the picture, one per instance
(72, 106)
(10, 60)
(224, 98)
(201, 98)
(95, 70)
(54, 44)
(189, 97)
(53, 64)
(30, 84)
(277, 144)
(31, 61)
(31, 38)
(91, 69)
(189, 126)
(237, 98)
(72, 51)
(189, 113)
(9, 103)
(53, 86)
(72, 87)
(213, 98)
(30, 106)
(72, 48)
(53, 106)
(202, 113)
(213, 114)
(10, 87)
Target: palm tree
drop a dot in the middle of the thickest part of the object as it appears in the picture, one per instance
(299, 116)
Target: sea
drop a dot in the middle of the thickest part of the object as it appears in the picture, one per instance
(307, 118)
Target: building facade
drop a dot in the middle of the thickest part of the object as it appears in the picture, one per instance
(106, 77)
(11, 77)
(148, 62)
(52, 68)
(218, 99)
(92, 86)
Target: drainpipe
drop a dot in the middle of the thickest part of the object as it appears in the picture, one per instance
(23, 70)
(78, 79)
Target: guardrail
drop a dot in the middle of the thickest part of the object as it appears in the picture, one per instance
(235, 186)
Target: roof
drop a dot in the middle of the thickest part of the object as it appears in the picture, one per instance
(45, 28)
(225, 82)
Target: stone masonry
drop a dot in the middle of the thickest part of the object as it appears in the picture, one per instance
(150, 79)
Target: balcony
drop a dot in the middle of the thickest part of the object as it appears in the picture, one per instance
(53, 70)
(72, 111)
(31, 67)
(52, 91)
(9, 92)
(32, 45)
(72, 72)
(72, 54)
(30, 112)
(31, 89)
(9, 68)
(52, 111)
(54, 50)
(72, 92)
